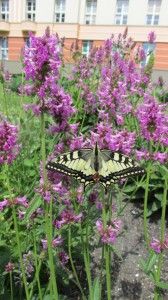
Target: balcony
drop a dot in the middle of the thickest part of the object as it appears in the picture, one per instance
(28, 26)
(4, 26)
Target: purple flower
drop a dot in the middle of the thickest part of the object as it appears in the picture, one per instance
(28, 262)
(55, 242)
(140, 54)
(161, 157)
(109, 234)
(5, 76)
(42, 62)
(9, 148)
(63, 256)
(153, 121)
(4, 203)
(14, 201)
(157, 246)
(68, 217)
(9, 267)
(151, 37)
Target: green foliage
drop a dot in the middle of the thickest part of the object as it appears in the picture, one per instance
(17, 80)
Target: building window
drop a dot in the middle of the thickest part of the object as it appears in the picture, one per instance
(60, 11)
(4, 48)
(90, 12)
(27, 42)
(86, 45)
(31, 10)
(122, 12)
(152, 17)
(4, 10)
(149, 48)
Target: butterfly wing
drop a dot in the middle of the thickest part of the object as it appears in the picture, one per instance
(76, 163)
(117, 166)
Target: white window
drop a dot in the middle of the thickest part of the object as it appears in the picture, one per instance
(152, 17)
(122, 12)
(4, 10)
(90, 12)
(86, 45)
(149, 48)
(60, 11)
(31, 10)
(4, 48)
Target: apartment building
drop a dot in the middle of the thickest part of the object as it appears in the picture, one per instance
(87, 21)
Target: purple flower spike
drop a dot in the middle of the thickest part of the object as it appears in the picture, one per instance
(9, 148)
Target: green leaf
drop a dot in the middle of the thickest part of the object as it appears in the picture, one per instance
(36, 202)
(159, 196)
(152, 207)
(142, 263)
(151, 261)
(96, 289)
(163, 170)
(162, 285)
(129, 189)
(28, 162)
(115, 250)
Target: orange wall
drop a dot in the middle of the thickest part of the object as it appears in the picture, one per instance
(161, 56)
(15, 44)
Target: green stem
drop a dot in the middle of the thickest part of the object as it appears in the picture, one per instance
(16, 232)
(20, 252)
(107, 252)
(36, 263)
(86, 262)
(6, 106)
(48, 229)
(11, 284)
(157, 291)
(101, 270)
(72, 264)
(146, 205)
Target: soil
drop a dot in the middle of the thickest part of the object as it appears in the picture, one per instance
(128, 280)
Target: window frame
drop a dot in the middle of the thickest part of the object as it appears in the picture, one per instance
(90, 12)
(120, 15)
(31, 13)
(89, 44)
(4, 12)
(153, 13)
(147, 47)
(60, 10)
(4, 48)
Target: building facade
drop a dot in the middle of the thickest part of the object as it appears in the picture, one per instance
(85, 21)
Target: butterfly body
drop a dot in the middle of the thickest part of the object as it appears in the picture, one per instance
(95, 165)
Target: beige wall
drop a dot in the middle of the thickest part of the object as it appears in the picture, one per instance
(163, 21)
(106, 12)
(45, 11)
(75, 11)
(137, 12)
(72, 11)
